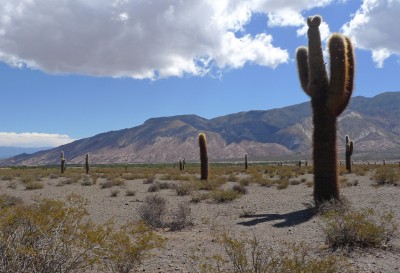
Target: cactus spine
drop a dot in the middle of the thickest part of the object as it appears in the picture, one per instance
(349, 152)
(246, 165)
(203, 157)
(62, 162)
(87, 163)
(329, 98)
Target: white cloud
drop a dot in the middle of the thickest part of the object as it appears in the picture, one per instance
(286, 12)
(142, 39)
(375, 27)
(11, 139)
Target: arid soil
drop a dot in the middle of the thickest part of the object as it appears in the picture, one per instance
(276, 217)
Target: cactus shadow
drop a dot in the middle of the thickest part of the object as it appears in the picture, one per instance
(288, 219)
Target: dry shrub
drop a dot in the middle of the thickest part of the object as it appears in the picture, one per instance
(221, 196)
(55, 236)
(358, 228)
(245, 256)
(153, 211)
(282, 183)
(240, 189)
(184, 189)
(7, 200)
(386, 175)
(181, 217)
(130, 193)
(114, 193)
(34, 185)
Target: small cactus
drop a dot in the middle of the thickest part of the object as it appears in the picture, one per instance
(183, 163)
(329, 98)
(62, 162)
(180, 164)
(245, 162)
(203, 157)
(87, 163)
(349, 152)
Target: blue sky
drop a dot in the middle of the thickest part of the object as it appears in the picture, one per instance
(73, 69)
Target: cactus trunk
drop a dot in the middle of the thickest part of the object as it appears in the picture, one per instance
(62, 162)
(245, 162)
(87, 163)
(325, 156)
(203, 157)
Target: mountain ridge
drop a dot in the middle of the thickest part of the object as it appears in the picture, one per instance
(372, 123)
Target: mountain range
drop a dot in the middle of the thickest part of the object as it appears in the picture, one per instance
(285, 133)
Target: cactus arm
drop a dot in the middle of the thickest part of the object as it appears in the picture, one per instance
(302, 68)
(349, 85)
(342, 73)
(351, 147)
(318, 79)
(339, 70)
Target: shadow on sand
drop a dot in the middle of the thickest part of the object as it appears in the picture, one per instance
(289, 219)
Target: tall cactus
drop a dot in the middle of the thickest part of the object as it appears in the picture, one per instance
(87, 163)
(62, 159)
(246, 165)
(203, 157)
(329, 98)
(349, 152)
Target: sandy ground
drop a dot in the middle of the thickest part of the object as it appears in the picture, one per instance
(277, 217)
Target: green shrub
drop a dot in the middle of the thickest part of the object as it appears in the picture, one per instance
(361, 228)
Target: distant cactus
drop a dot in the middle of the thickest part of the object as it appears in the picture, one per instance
(180, 164)
(203, 157)
(183, 164)
(62, 162)
(329, 98)
(245, 162)
(87, 163)
(299, 164)
(349, 152)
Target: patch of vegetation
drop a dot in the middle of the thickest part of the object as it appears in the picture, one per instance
(181, 217)
(245, 256)
(221, 196)
(358, 228)
(35, 185)
(130, 193)
(386, 175)
(75, 243)
(153, 211)
(7, 200)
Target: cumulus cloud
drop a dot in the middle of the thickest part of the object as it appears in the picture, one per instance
(10, 139)
(286, 12)
(375, 27)
(142, 39)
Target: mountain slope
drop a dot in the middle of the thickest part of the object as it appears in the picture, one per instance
(373, 124)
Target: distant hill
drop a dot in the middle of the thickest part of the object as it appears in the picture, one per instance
(6, 152)
(372, 123)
